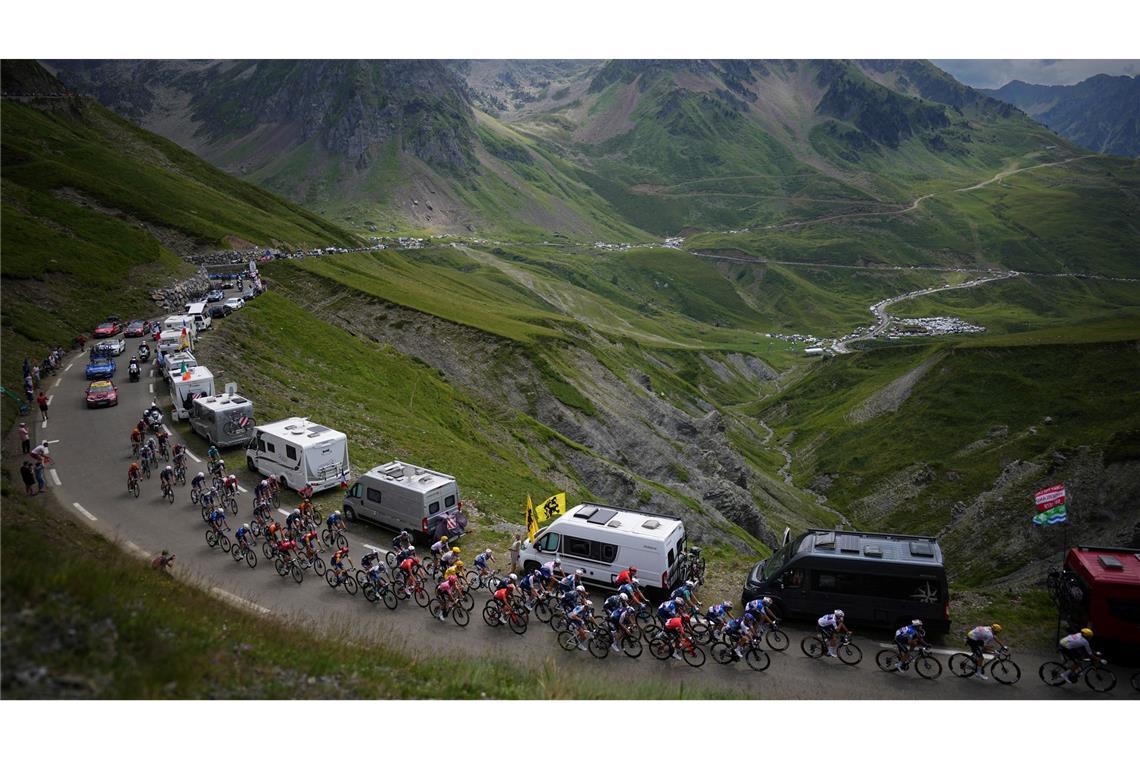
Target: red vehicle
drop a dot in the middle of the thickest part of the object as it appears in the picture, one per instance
(1107, 595)
(102, 393)
(108, 329)
(137, 328)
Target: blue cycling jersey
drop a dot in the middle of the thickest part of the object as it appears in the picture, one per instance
(546, 572)
(332, 520)
(568, 583)
(667, 609)
(906, 632)
(526, 582)
(755, 606)
(243, 533)
(716, 612)
(481, 561)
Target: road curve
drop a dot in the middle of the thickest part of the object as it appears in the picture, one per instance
(91, 452)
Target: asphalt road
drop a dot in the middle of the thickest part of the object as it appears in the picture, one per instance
(91, 450)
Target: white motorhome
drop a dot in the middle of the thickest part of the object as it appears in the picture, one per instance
(604, 541)
(299, 453)
(197, 311)
(184, 388)
(179, 321)
(169, 341)
(406, 497)
(223, 420)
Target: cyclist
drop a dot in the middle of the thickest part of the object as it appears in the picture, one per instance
(213, 454)
(285, 548)
(548, 571)
(454, 570)
(293, 521)
(370, 559)
(576, 621)
(739, 631)
(244, 536)
(146, 454)
(688, 593)
(403, 554)
(908, 638)
(337, 562)
(481, 562)
(1071, 648)
(981, 639)
(133, 475)
(529, 587)
(621, 622)
(197, 482)
(178, 454)
(719, 614)
(633, 591)
(407, 567)
(572, 598)
(217, 467)
(627, 575)
(161, 435)
(335, 524)
(445, 591)
(309, 542)
(675, 628)
(670, 609)
(217, 520)
(830, 626)
(207, 499)
(447, 558)
(136, 440)
(273, 531)
(503, 596)
(166, 479)
(571, 581)
(230, 485)
(761, 614)
(438, 548)
(261, 490)
(614, 602)
(261, 510)
(402, 541)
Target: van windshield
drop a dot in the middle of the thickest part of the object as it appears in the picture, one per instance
(777, 561)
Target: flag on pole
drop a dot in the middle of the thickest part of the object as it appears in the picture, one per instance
(555, 505)
(531, 522)
(184, 339)
(184, 370)
(1051, 505)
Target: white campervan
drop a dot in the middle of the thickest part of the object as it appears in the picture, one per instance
(197, 311)
(184, 388)
(298, 453)
(603, 541)
(169, 341)
(179, 321)
(405, 497)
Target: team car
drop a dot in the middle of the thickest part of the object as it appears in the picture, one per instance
(215, 295)
(138, 328)
(101, 365)
(108, 329)
(113, 347)
(102, 393)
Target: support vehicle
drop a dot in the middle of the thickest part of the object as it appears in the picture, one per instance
(406, 497)
(299, 453)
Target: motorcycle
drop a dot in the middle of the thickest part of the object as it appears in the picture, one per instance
(144, 352)
(153, 419)
(134, 372)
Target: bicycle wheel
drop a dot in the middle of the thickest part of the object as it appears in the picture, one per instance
(434, 608)
(812, 646)
(326, 536)
(370, 592)
(1052, 673)
(849, 654)
(467, 601)
(400, 590)
(599, 646)
(295, 571)
(778, 640)
(195, 494)
(927, 666)
(558, 623)
(516, 621)
(330, 578)
(170, 494)
(421, 596)
(279, 566)
(491, 614)
(350, 585)
(757, 658)
(135, 489)
(341, 541)
(1005, 671)
(1100, 678)
(389, 598)
(1136, 681)
(661, 648)
(250, 558)
(267, 550)
(211, 538)
(235, 552)
(542, 612)
(631, 646)
(224, 543)
(702, 633)
(695, 657)
(963, 665)
(567, 641)
(722, 653)
(390, 560)
(887, 660)
(231, 504)
(460, 616)
(318, 566)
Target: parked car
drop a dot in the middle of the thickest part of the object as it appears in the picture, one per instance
(108, 329)
(219, 311)
(234, 303)
(138, 328)
(113, 347)
(214, 296)
(101, 366)
(102, 393)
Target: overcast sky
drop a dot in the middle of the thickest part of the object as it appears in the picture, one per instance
(994, 73)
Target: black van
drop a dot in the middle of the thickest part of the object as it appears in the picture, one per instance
(878, 579)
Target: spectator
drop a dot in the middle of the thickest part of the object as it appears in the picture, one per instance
(41, 453)
(516, 549)
(25, 438)
(41, 484)
(28, 388)
(28, 477)
(42, 400)
(81, 341)
(36, 375)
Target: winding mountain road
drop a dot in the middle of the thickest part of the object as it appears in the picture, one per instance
(91, 453)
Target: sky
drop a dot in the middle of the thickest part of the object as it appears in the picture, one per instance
(993, 73)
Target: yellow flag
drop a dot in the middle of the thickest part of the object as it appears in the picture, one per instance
(555, 505)
(531, 522)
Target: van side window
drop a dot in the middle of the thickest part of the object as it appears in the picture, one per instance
(449, 502)
(672, 556)
(579, 547)
(354, 492)
(793, 579)
(261, 444)
(290, 452)
(607, 553)
(836, 583)
(433, 507)
(548, 543)
(270, 448)
(373, 496)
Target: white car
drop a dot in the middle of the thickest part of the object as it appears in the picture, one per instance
(115, 345)
(234, 303)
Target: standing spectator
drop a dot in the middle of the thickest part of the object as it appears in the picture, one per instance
(41, 484)
(28, 478)
(36, 375)
(42, 400)
(516, 549)
(25, 438)
(28, 388)
(27, 367)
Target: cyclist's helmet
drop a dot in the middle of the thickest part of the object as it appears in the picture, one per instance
(296, 510)
(458, 563)
(678, 600)
(624, 597)
(916, 623)
(336, 514)
(579, 571)
(579, 589)
(727, 604)
(201, 474)
(690, 584)
(488, 551)
(246, 526)
(996, 627)
(455, 550)
(767, 600)
(513, 577)
(839, 613)
(1086, 632)
(632, 570)
(749, 617)
(589, 603)
(558, 563)
(265, 482)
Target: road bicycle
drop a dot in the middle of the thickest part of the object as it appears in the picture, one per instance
(1097, 677)
(311, 562)
(629, 642)
(133, 487)
(776, 639)
(215, 537)
(195, 494)
(289, 567)
(331, 535)
(414, 590)
(725, 653)
(597, 642)
(168, 492)
(180, 474)
(455, 610)
(815, 647)
(239, 552)
(379, 588)
(515, 616)
(344, 579)
(664, 645)
(925, 664)
(230, 503)
(489, 580)
(1001, 667)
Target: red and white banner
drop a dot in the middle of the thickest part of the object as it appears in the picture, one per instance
(1048, 498)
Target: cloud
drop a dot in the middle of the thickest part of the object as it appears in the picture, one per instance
(993, 73)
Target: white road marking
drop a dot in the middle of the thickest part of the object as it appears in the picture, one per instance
(373, 548)
(190, 454)
(150, 388)
(44, 425)
(284, 512)
(242, 489)
(58, 380)
(239, 601)
(51, 442)
(68, 368)
(164, 427)
(138, 550)
(55, 477)
(50, 398)
(85, 513)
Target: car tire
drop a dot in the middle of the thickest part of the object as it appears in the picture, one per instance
(349, 514)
